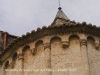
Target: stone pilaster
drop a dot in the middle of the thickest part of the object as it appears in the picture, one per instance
(20, 64)
(47, 49)
(83, 44)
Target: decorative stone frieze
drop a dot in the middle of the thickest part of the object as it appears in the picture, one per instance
(65, 44)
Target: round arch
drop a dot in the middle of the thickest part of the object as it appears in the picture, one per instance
(26, 47)
(55, 37)
(91, 38)
(74, 36)
(38, 42)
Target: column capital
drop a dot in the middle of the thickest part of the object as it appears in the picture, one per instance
(83, 42)
(65, 44)
(47, 45)
(20, 56)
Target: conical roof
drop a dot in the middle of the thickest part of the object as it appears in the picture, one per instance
(61, 14)
(60, 18)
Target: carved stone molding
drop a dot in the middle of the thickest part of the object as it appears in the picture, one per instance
(65, 44)
(83, 42)
(20, 56)
(47, 45)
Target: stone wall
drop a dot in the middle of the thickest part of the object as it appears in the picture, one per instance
(93, 56)
(76, 54)
(67, 58)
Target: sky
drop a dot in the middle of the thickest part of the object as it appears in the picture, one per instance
(18, 17)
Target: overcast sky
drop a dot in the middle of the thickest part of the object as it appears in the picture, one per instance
(20, 16)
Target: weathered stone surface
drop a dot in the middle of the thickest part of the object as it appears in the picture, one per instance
(94, 58)
(80, 58)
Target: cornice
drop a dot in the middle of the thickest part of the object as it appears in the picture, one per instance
(68, 27)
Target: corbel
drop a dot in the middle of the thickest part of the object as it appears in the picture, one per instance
(65, 44)
(47, 45)
(20, 56)
(83, 42)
